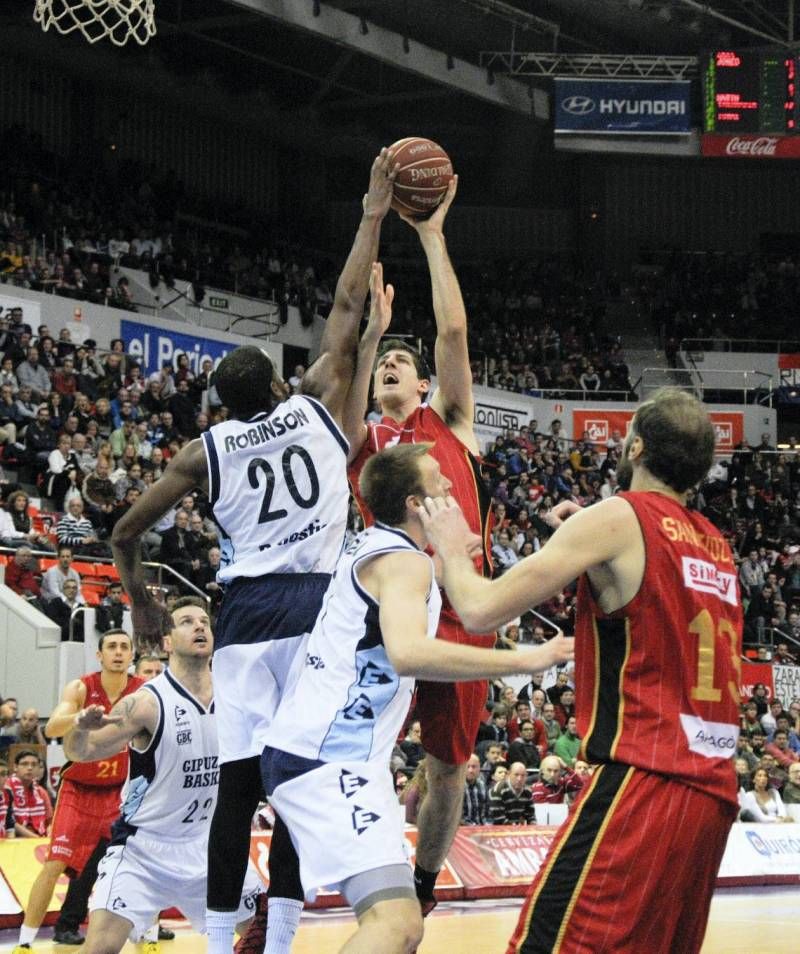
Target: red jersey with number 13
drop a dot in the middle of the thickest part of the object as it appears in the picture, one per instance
(458, 464)
(104, 773)
(657, 682)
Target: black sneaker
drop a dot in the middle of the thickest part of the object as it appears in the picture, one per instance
(68, 936)
(253, 942)
(164, 934)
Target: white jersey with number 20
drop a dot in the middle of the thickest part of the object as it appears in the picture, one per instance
(278, 488)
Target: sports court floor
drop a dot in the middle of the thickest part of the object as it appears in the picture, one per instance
(743, 921)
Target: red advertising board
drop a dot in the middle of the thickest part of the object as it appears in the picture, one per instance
(497, 861)
(599, 424)
(750, 146)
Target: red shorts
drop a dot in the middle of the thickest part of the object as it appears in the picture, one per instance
(450, 712)
(84, 814)
(632, 869)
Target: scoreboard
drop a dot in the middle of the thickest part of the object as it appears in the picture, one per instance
(751, 91)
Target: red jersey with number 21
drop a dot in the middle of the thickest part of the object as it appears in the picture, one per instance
(457, 463)
(657, 682)
(104, 773)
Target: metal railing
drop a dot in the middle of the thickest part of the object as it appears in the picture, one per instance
(742, 345)
(755, 386)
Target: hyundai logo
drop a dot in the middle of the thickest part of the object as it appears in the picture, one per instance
(578, 105)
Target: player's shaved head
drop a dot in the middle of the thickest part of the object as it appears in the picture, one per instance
(678, 439)
(244, 380)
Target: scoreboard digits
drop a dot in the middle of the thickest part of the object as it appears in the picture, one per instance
(750, 92)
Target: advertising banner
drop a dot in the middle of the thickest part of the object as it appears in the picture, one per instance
(156, 346)
(786, 684)
(600, 422)
(752, 674)
(20, 862)
(622, 106)
(499, 861)
(761, 853)
(750, 147)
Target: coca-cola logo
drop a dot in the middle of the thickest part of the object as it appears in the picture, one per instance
(762, 146)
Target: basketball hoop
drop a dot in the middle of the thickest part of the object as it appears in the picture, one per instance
(119, 20)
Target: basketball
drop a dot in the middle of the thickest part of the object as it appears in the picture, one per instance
(424, 174)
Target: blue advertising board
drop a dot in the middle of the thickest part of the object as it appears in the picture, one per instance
(622, 106)
(154, 346)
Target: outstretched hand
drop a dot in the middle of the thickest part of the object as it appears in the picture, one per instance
(380, 302)
(446, 528)
(94, 717)
(435, 221)
(378, 198)
(558, 514)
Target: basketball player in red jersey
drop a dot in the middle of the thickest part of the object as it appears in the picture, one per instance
(89, 793)
(449, 713)
(657, 649)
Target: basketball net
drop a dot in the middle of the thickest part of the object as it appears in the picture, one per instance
(119, 20)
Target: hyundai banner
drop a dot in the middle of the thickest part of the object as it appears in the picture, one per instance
(622, 106)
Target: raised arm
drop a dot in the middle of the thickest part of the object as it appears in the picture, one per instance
(62, 717)
(185, 472)
(380, 316)
(96, 735)
(453, 400)
(329, 378)
(402, 581)
(602, 534)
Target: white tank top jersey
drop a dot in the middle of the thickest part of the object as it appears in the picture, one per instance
(278, 489)
(353, 701)
(172, 783)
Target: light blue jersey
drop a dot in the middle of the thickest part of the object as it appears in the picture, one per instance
(353, 702)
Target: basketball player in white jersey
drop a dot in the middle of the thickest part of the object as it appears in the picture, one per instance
(327, 773)
(275, 474)
(157, 856)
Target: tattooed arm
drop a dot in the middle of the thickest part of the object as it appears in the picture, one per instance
(96, 735)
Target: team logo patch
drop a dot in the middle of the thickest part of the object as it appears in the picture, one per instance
(706, 577)
(118, 904)
(179, 713)
(350, 783)
(184, 737)
(363, 818)
(714, 740)
(359, 708)
(372, 675)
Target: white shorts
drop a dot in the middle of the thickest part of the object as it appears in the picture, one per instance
(248, 682)
(138, 879)
(344, 819)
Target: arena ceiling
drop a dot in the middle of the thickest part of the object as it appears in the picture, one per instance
(429, 75)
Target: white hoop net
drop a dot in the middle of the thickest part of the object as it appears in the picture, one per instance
(119, 20)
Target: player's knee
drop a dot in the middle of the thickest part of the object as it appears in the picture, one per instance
(443, 776)
(400, 920)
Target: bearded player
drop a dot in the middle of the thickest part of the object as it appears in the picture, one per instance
(657, 648)
(89, 794)
(449, 713)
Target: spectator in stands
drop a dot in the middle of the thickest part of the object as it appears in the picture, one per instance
(27, 408)
(148, 667)
(568, 744)
(769, 721)
(77, 530)
(494, 756)
(33, 375)
(504, 553)
(744, 774)
(206, 576)
(32, 807)
(780, 750)
(496, 729)
(178, 549)
(763, 803)
(87, 461)
(511, 801)
(751, 575)
(791, 790)
(782, 656)
(111, 612)
(476, 799)
(7, 376)
(524, 749)
(10, 536)
(98, 489)
(40, 438)
(411, 746)
(124, 435)
(565, 707)
(63, 471)
(20, 574)
(8, 721)
(61, 608)
(10, 418)
(104, 418)
(551, 724)
(27, 731)
(6, 805)
(53, 580)
(183, 410)
(556, 783)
